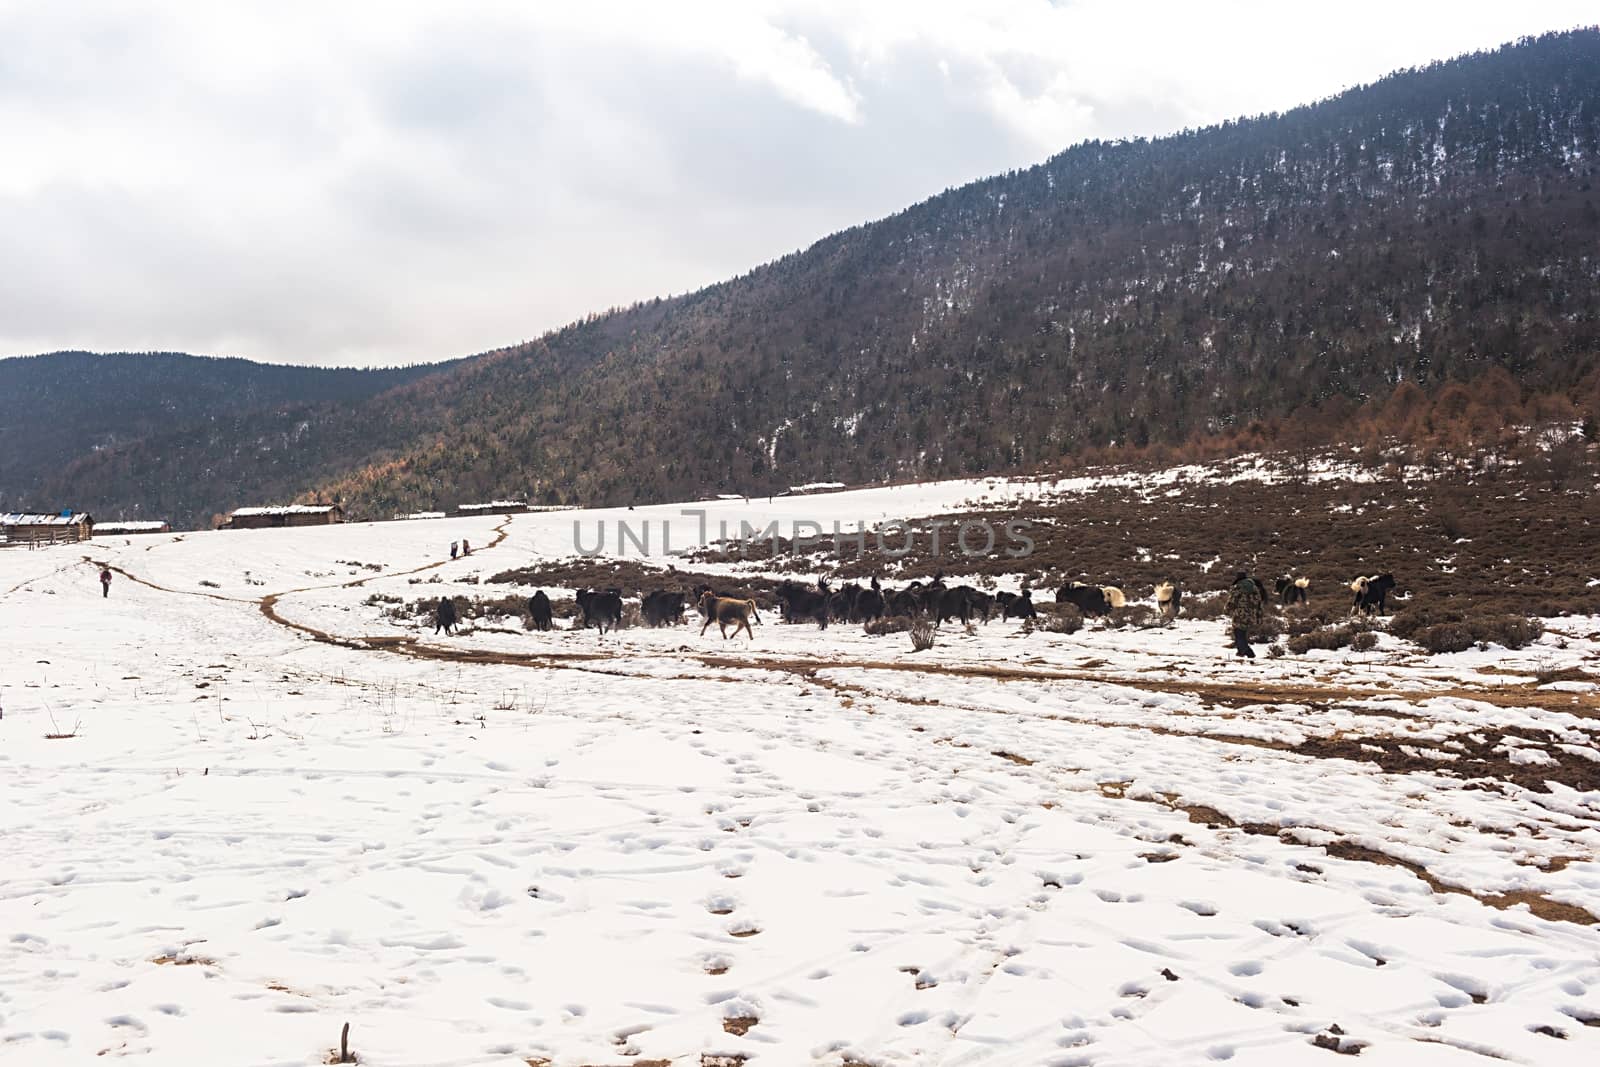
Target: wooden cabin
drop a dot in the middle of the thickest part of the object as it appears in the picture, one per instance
(283, 515)
(119, 529)
(22, 528)
(494, 507)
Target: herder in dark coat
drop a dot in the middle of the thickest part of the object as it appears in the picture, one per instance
(1246, 605)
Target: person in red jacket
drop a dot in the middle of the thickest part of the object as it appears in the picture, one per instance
(105, 581)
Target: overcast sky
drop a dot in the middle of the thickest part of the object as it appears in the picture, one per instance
(321, 183)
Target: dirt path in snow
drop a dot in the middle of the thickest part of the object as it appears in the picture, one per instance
(1388, 753)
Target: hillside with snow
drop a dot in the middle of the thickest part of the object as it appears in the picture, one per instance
(1362, 255)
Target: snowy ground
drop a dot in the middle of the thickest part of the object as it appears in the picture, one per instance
(1113, 847)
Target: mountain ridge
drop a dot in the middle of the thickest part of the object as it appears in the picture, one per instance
(1427, 228)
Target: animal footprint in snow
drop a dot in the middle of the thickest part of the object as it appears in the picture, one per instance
(720, 905)
(1076, 1036)
(743, 928)
(1466, 983)
(1245, 968)
(1199, 907)
(1336, 1040)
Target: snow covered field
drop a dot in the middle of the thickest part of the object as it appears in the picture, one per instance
(275, 811)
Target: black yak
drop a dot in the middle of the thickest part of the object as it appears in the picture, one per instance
(663, 608)
(539, 610)
(602, 610)
(801, 603)
(869, 604)
(1091, 600)
(1019, 606)
(444, 616)
(1372, 594)
(954, 603)
(1292, 590)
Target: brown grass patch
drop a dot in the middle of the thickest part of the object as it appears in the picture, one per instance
(185, 959)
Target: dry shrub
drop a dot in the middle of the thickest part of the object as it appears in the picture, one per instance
(1450, 522)
(1267, 628)
(1138, 616)
(492, 607)
(1205, 608)
(1060, 618)
(1349, 635)
(1301, 619)
(1441, 629)
(922, 636)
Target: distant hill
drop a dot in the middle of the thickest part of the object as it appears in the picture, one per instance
(1430, 227)
(156, 430)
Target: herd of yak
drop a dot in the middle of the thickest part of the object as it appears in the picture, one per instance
(882, 610)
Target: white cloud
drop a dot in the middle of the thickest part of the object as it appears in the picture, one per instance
(328, 183)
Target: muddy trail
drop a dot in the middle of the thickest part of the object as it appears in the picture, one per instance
(266, 603)
(1484, 755)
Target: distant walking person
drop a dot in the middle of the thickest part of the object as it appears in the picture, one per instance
(452, 550)
(105, 581)
(466, 547)
(1246, 603)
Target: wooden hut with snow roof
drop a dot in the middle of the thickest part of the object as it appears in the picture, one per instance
(27, 528)
(494, 507)
(283, 515)
(142, 526)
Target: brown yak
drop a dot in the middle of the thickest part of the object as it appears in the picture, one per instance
(723, 610)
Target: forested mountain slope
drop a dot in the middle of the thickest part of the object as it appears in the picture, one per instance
(1423, 228)
(125, 416)
(1428, 227)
